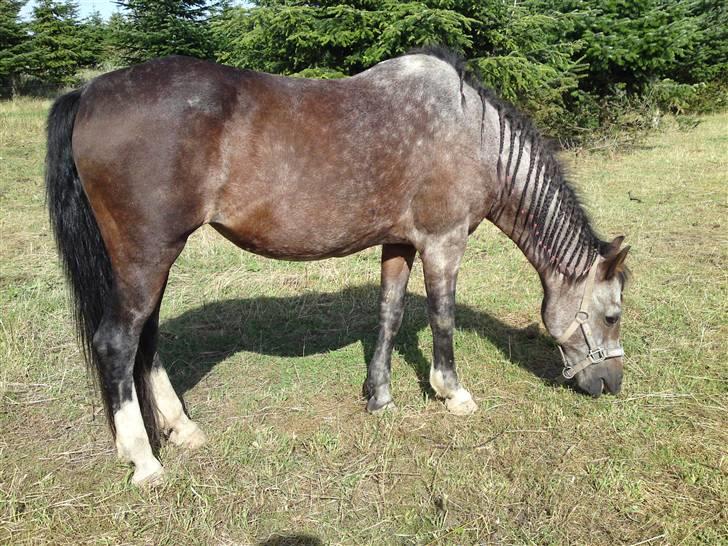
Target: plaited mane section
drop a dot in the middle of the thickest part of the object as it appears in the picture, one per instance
(550, 222)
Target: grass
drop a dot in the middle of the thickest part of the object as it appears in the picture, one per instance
(270, 357)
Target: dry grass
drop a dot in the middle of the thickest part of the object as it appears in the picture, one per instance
(270, 359)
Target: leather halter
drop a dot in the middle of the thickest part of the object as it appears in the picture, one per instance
(596, 353)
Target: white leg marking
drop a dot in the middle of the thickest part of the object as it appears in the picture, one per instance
(132, 444)
(437, 381)
(458, 402)
(184, 432)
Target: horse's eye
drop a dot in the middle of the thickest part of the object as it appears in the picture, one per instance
(612, 320)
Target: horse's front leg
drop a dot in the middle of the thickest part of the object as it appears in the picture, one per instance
(396, 266)
(441, 261)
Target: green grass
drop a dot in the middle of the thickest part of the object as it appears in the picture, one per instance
(270, 357)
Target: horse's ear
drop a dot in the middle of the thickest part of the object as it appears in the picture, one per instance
(613, 247)
(614, 265)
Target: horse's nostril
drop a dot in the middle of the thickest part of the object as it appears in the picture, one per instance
(595, 388)
(612, 382)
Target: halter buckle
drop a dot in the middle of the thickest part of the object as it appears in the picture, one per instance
(597, 355)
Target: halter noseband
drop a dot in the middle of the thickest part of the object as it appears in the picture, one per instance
(596, 353)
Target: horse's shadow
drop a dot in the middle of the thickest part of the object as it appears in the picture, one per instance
(315, 323)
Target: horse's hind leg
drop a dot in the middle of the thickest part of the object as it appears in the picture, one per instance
(183, 432)
(396, 267)
(170, 413)
(135, 294)
(441, 261)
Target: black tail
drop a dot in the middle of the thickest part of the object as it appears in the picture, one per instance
(83, 254)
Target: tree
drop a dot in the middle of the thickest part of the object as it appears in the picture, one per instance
(53, 50)
(155, 28)
(13, 38)
(628, 44)
(709, 52)
(115, 26)
(332, 38)
(94, 32)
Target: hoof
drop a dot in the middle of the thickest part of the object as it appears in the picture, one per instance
(149, 476)
(188, 437)
(461, 403)
(376, 407)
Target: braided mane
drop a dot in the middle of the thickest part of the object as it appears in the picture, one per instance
(563, 240)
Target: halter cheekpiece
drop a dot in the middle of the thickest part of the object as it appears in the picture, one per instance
(596, 353)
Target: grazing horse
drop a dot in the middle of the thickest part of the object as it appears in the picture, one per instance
(411, 154)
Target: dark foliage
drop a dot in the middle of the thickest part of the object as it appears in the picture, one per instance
(153, 29)
(13, 42)
(53, 53)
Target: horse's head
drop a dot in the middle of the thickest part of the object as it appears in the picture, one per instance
(584, 317)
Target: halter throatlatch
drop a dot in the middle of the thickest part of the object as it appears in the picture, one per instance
(596, 353)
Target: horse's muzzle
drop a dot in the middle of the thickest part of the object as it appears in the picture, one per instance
(603, 377)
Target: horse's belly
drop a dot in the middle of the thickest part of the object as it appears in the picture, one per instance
(299, 236)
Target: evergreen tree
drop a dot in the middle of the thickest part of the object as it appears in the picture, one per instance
(55, 44)
(531, 62)
(329, 37)
(93, 31)
(709, 52)
(628, 44)
(115, 26)
(155, 28)
(13, 41)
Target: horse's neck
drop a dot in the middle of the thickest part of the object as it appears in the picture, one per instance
(536, 208)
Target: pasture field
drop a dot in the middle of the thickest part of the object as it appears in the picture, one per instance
(270, 357)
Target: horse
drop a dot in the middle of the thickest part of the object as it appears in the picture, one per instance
(411, 154)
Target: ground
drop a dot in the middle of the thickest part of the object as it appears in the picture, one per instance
(270, 358)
